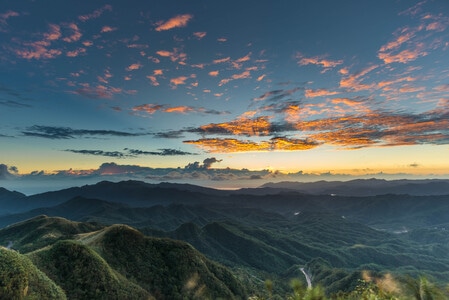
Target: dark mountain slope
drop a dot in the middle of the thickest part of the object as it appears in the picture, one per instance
(83, 274)
(9, 201)
(118, 262)
(169, 269)
(19, 278)
(367, 187)
(41, 231)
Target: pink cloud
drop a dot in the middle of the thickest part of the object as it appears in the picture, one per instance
(76, 52)
(153, 80)
(175, 55)
(177, 21)
(54, 34)
(214, 73)
(221, 60)
(76, 33)
(133, 67)
(95, 14)
(108, 29)
(199, 35)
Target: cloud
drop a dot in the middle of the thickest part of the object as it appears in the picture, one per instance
(177, 21)
(326, 64)
(97, 92)
(199, 35)
(179, 80)
(53, 132)
(214, 73)
(4, 19)
(218, 145)
(160, 152)
(181, 109)
(207, 164)
(76, 33)
(95, 14)
(108, 29)
(133, 67)
(242, 126)
(131, 152)
(309, 93)
(76, 52)
(175, 55)
(115, 154)
(7, 172)
(354, 82)
(11, 103)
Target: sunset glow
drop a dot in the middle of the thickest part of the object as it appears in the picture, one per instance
(158, 92)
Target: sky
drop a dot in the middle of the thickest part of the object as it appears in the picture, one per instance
(222, 93)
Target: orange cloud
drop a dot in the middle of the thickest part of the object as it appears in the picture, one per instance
(216, 145)
(153, 80)
(177, 21)
(261, 77)
(354, 81)
(403, 56)
(174, 55)
(317, 60)
(158, 72)
(179, 80)
(133, 67)
(242, 126)
(318, 93)
(214, 73)
(179, 109)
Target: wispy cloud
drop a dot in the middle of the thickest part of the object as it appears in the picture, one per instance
(177, 21)
(199, 35)
(322, 61)
(126, 153)
(54, 132)
(108, 29)
(181, 109)
(4, 19)
(95, 14)
(115, 154)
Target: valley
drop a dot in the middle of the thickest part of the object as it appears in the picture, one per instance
(157, 240)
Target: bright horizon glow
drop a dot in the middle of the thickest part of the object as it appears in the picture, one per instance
(223, 94)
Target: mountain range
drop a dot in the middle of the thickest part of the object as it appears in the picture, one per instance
(241, 237)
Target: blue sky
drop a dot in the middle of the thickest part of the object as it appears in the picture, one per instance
(228, 91)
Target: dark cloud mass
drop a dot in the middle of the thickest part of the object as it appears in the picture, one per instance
(116, 154)
(53, 132)
(131, 152)
(7, 172)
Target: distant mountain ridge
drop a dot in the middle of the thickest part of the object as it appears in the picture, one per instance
(366, 187)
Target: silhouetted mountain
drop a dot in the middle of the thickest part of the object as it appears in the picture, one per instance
(366, 187)
(9, 201)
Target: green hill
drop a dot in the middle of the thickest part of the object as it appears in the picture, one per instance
(89, 261)
(21, 279)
